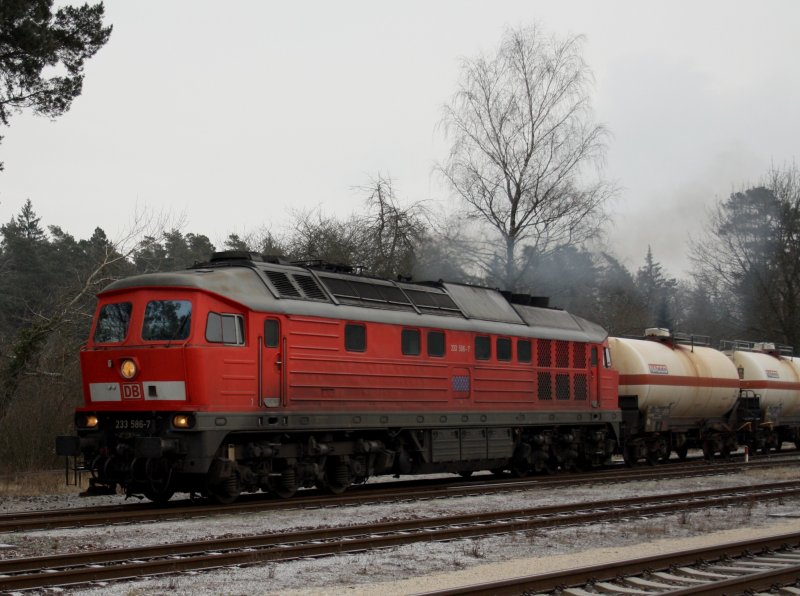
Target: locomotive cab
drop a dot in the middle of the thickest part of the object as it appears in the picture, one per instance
(148, 379)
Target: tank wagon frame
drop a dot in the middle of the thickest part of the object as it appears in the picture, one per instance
(247, 373)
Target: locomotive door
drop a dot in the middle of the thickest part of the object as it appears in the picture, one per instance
(271, 364)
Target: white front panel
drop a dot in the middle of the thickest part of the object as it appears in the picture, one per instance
(164, 390)
(104, 392)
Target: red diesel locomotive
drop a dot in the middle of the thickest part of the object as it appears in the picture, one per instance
(247, 374)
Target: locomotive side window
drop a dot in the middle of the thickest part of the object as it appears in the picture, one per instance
(225, 329)
(503, 348)
(483, 347)
(523, 350)
(607, 357)
(594, 356)
(112, 323)
(409, 340)
(167, 320)
(435, 343)
(355, 338)
(271, 333)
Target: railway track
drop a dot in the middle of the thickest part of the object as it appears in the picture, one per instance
(87, 567)
(378, 493)
(742, 567)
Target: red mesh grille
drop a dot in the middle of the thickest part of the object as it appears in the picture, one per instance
(579, 382)
(545, 386)
(578, 355)
(543, 357)
(562, 354)
(562, 387)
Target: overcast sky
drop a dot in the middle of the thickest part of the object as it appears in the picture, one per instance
(234, 113)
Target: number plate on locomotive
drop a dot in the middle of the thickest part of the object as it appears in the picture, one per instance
(131, 424)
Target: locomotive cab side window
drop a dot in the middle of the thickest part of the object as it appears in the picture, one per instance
(436, 344)
(594, 356)
(607, 357)
(225, 329)
(112, 323)
(410, 342)
(167, 320)
(355, 338)
(483, 347)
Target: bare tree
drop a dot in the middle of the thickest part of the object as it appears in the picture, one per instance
(522, 134)
(392, 233)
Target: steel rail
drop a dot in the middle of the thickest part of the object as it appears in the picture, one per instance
(390, 492)
(609, 572)
(85, 567)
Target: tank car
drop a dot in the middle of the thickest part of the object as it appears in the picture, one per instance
(247, 373)
(675, 392)
(770, 383)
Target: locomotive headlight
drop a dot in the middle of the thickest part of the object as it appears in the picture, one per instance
(183, 421)
(87, 421)
(128, 369)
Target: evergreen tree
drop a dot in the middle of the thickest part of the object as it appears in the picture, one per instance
(42, 54)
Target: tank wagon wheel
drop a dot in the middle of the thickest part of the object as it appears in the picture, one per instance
(708, 449)
(465, 473)
(682, 452)
(630, 454)
(500, 472)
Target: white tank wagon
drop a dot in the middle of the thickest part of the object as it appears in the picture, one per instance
(676, 392)
(771, 375)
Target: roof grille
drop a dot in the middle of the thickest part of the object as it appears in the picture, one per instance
(282, 284)
(310, 287)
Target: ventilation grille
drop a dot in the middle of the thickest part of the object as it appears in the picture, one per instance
(282, 284)
(390, 297)
(296, 285)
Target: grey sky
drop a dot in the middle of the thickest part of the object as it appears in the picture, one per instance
(233, 113)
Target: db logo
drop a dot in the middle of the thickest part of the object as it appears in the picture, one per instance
(131, 391)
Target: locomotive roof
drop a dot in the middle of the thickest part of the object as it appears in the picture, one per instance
(292, 289)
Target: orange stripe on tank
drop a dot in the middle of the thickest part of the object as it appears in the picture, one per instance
(678, 381)
(765, 384)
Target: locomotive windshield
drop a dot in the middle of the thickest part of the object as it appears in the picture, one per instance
(167, 320)
(112, 323)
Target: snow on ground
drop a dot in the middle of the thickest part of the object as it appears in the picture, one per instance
(421, 566)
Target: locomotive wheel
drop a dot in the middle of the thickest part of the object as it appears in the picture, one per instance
(160, 479)
(284, 492)
(520, 469)
(159, 496)
(284, 486)
(227, 491)
(337, 477)
(500, 472)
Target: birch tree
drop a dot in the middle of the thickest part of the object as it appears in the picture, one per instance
(524, 143)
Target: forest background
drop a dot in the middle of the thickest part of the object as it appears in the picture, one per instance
(525, 165)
